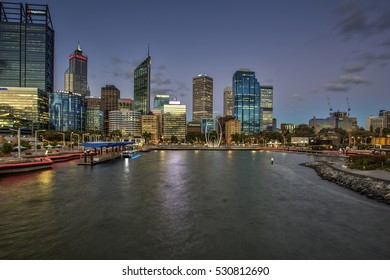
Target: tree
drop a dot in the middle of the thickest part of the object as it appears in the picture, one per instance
(174, 139)
(147, 136)
(7, 148)
(236, 137)
(303, 130)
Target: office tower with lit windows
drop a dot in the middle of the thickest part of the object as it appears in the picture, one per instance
(174, 122)
(110, 95)
(266, 107)
(67, 111)
(228, 101)
(26, 46)
(126, 121)
(162, 99)
(125, 104)
(76, 76)
(95, 114)
(246, 100)
(142, 86)
(202, 98)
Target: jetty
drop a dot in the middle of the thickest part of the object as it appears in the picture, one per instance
(98, 152)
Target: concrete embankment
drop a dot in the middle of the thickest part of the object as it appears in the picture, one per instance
(377, 189)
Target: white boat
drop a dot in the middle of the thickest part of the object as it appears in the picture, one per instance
(130, 154)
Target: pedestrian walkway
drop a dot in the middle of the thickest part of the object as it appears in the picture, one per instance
(375, 174)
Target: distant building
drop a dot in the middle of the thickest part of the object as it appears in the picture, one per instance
(336, 120)
(266, 108)
(228, 101)
(223, 121)
(386, 118)
(287, 128)
(162, 99)
(232, 127)
(194, 127)
(110, 95)
(159, 114)
(67, 111)
(202, 98)
(95, 114)
(142, 86)
(174, 122)
(126, 121)
(246, 96)
(373, 123)
(27, 46)
(125, 104)
(76, 76)
(31, 104)
(151, 124)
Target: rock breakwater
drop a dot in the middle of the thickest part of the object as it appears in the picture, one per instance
(372, 188)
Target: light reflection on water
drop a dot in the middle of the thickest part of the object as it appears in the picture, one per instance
(188, 205)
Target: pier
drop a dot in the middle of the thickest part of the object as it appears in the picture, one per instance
(98, 152)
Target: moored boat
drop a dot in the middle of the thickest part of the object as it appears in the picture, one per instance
(130, 154)
(25, 166)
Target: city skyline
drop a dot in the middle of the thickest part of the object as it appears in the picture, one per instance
(338, 49)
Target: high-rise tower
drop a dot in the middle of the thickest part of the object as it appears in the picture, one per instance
(142, 86)
(246, 100)
(228, 101)
(75, 78)
(110, 95)
(202, 98)
(27, 46)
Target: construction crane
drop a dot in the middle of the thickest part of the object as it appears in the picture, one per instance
(330, 107)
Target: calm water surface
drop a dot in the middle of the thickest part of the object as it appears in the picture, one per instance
(188, 205)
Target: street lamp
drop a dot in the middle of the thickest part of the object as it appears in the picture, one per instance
(63, 139)
(83, 136)
(36, 135)
(78, 139)
(18, 130)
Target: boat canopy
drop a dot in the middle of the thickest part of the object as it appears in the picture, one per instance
(105, 144)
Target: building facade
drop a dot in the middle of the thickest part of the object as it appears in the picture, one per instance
(246, 101)
(162, 99)
(142, 86)
(174, 122)
(125, 104)
(373, 123)
(202, 98)
(266, 108)
(231, 127)
(228, 101)
(76, 76)
(95, 115)
(110, 95)
(31, 104)
(27, 46)
(67, 111)
(151, 124)
(126, 121)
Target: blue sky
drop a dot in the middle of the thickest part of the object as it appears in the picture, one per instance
(308, 50)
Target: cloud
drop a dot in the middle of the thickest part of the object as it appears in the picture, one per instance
(344, 81)
(297, 96)
(354, 23)
(355, 68)
(129, 74)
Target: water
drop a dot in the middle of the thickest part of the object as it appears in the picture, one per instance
(188, 205)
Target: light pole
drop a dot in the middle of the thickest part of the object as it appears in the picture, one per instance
(78, 139)
(36, 135)
(63, 139)
(18, 130)
(83, 136)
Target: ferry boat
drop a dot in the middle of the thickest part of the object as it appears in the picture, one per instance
(25, 166)
(130, 154)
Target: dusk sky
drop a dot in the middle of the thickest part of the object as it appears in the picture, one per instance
(307, 50)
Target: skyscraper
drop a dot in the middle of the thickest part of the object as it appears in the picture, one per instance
(228, 101)
(110, 95)
(202, 98)
(246, 100)
(266, 107)
(142, 86)
(27, 46)
(75, 78)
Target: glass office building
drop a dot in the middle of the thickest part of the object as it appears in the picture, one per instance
(246, 100)
(202, 98)
(95, 114)
(76, 76)
(27, 46)
(31, 104)
(266, 107)
(67, 111)
(142, 86)
(174, 122)
(162, 99)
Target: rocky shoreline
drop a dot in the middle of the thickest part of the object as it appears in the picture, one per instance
(372, 188)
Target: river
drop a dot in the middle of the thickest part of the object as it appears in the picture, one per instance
(189, 205)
